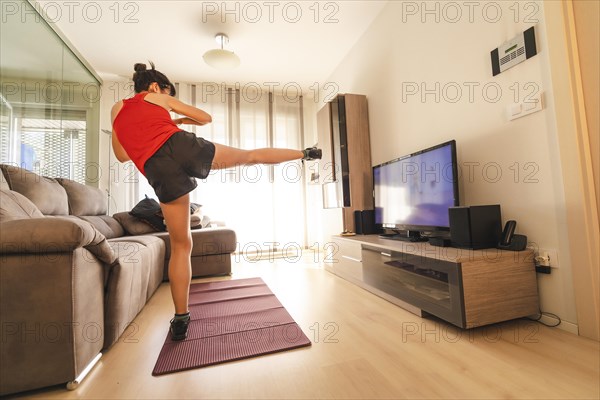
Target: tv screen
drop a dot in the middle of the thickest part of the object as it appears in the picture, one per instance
(414, 192)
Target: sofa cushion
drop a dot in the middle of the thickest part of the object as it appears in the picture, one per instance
(137, 226)
(84, 199)
(206, 241)
(132, 280)
(14, 205)
(46, 193)
(199, 221)
(197, 218)
(3, 182)
(108, 226)
(55, 235)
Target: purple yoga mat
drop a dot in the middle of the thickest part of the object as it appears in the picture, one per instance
(230, 320)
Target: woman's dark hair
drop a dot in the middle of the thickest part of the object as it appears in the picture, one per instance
(142, 78)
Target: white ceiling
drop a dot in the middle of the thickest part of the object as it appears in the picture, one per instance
(277, 41)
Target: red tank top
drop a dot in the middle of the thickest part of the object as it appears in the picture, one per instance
(142, 128)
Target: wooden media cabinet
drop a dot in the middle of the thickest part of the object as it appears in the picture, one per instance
(467, 288)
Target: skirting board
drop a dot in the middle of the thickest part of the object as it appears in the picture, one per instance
(564, 325)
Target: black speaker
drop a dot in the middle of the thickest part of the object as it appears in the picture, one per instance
(364, 222)
(475, 227)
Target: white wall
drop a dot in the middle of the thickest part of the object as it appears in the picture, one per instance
(430, 48)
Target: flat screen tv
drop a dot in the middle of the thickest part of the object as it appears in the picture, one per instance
(412, 193)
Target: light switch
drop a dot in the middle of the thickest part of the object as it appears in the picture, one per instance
(530, 105)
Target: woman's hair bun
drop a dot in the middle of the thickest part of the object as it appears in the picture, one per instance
(142, 81)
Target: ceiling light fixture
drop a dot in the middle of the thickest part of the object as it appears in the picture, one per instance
(221, 58)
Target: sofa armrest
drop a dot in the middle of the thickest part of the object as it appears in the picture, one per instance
(53, 235)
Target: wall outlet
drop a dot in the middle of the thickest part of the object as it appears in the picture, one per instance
(546, 258)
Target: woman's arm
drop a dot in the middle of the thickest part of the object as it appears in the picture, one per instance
(194, 115)
(188, 121)
(118, 149)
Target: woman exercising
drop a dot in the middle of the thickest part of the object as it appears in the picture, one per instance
(171, 158)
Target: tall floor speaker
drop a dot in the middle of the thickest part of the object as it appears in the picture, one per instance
(475, 227)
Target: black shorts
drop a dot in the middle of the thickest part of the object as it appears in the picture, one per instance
(172, 170)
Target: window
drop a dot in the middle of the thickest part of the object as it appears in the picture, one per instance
(263, 204)
(49, 102)
(52, 145)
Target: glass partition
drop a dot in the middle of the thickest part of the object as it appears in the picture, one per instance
(50, 102)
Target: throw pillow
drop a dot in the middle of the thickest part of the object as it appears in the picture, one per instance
(148, 210)
(133, 225)
(147, 217)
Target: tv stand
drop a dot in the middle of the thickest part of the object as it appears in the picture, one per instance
(467, 288)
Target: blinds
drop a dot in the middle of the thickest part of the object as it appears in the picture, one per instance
(49, 142)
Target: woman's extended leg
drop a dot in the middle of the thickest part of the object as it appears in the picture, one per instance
(229, 157)
(177, 218)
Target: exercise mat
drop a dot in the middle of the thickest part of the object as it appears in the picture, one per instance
(230, 320)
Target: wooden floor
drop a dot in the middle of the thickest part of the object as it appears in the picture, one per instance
(363, 347)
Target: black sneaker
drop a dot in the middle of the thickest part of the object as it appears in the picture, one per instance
(312, 153)
(179, 328)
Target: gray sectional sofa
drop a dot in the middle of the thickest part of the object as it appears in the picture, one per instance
(72, 279)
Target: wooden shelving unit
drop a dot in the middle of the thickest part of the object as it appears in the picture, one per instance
(345, 120)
